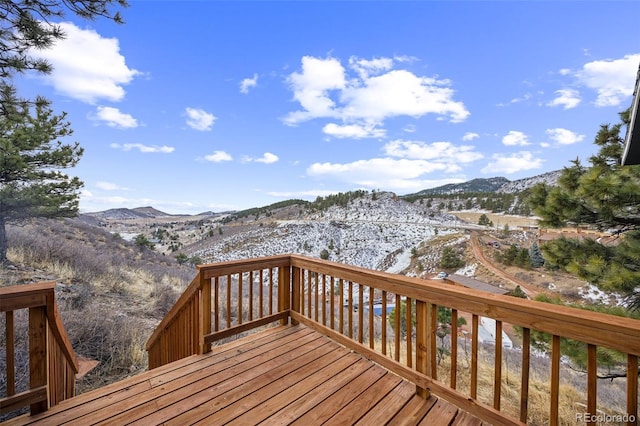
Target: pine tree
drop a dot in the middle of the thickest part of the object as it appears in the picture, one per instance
(26, 26)
(31, 152)
(607, 197)
(31, 159)
(484, 220)
(535, 254)
(451, 259)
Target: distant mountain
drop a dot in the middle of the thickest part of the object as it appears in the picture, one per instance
(475, 185)
(120, 214)
(496, 184)
(550, 178)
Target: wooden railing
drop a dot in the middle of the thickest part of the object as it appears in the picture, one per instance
(213, 307)
(354, 306)
(51, 359)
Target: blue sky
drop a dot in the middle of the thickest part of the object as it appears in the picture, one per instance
(193, 106)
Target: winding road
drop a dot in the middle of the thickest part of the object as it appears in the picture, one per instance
(476, 246)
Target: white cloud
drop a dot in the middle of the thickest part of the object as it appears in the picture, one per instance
(108, 186)
(515, 138)
(199, 119)
(376, 169)
(469, 136)
(409, 128)
(354, 131)
(564, 71)
(365, 67)
(372, 92)
(311, 88)
(404, 167)
(248, 83)
(438, 151)
(564, 136)
(87, 66)
(267, 158)
(524, 98)
(400, 92)
(144, 148)
(513, 163)
(567, 98)
(114, 118)
(389, 173)
(218, 157)
(612, 79)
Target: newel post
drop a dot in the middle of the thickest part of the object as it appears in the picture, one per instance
(423, 325)
(284, 291)
(38, 355)
(295, 306)
(205, 312)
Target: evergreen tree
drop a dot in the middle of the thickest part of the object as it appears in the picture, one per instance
(484, 220)
(31, 159)
(143, 242)
(402, 311)
(451, 259)
(535, 254)
(522, 259)
(518, 292)
(510, 255)
(606, 196)
(26, 26)
(31, 153)
(324, 254)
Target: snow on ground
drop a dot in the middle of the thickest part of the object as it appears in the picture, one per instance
(468, 270)
(376, 234)
(595, 295)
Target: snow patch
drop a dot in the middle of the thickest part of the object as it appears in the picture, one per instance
(595, 295)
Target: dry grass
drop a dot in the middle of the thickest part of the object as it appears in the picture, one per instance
(111, 294)
(499, 220)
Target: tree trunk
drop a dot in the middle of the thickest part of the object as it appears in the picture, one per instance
(3, 241)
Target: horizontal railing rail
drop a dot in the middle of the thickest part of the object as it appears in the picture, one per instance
(409, 326)
(52, 361)
(223, 300)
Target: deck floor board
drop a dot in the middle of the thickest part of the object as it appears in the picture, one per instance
(282, 375)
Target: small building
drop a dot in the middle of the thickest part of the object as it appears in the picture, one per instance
(461, 280)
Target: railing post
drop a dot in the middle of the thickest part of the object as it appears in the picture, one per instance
(295, 306)
(422, 344)
(284, 291)
(205, 313)
(38, 354)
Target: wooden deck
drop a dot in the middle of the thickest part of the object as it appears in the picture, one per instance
(283, 375)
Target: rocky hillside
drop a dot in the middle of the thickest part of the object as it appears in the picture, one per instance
(475, 185)
(550, 178)
(375, 230)
(125, 214)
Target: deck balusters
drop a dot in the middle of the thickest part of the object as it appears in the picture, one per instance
(555, 380)
(497, 369)
(454, 349)
(632, 389)
(474, 357)
(524, 385)
(418, 359)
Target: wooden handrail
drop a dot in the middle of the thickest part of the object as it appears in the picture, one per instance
(187, 327)
(49, 383)
(304, 285)
(595, 328)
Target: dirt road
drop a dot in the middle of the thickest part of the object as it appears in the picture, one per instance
(480, 257)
